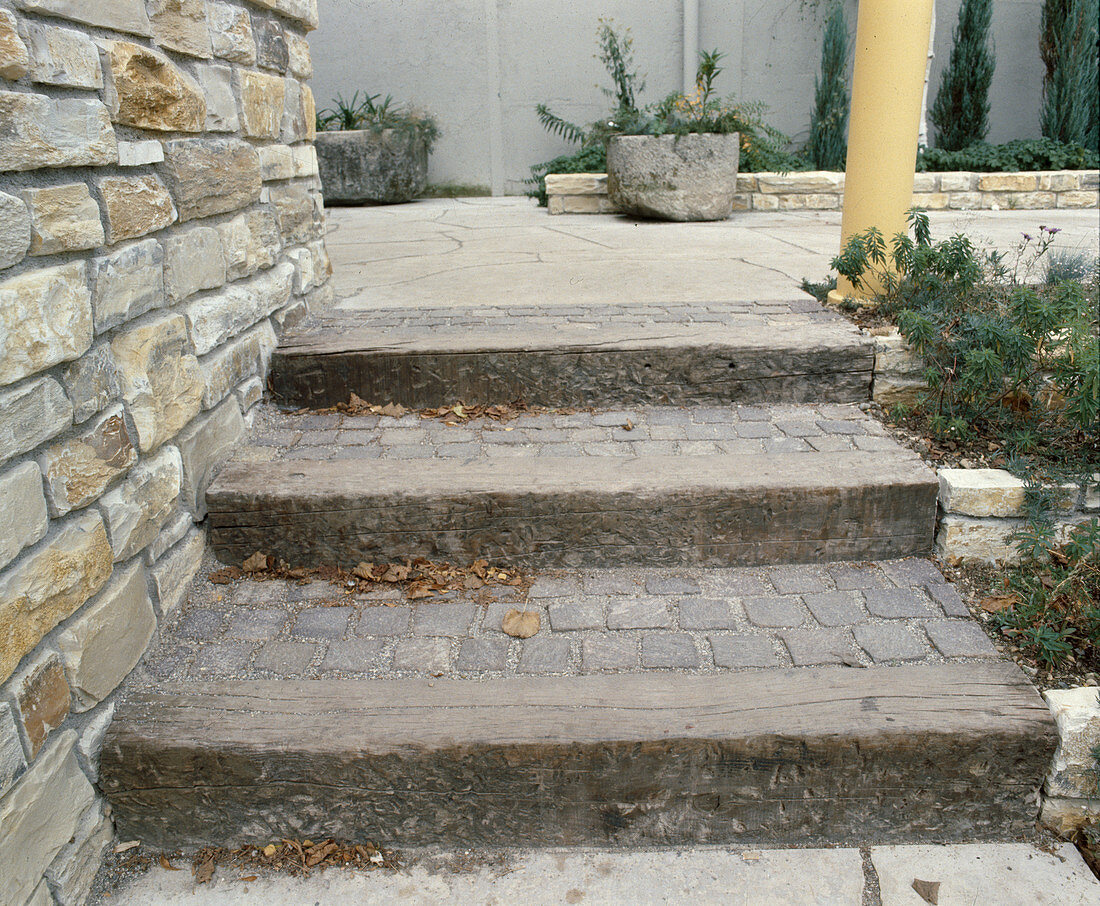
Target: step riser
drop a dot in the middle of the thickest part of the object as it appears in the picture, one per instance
(601, 378)
(877, 756)
(704, 528)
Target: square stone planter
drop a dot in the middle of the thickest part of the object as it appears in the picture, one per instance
(364, 166)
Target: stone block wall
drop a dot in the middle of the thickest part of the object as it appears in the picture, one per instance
(586, 193)
(160, 222)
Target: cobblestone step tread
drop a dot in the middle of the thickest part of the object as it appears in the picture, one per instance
(891, 755)
(744, 352)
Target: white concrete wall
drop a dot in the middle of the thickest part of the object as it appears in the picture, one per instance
(481, 66)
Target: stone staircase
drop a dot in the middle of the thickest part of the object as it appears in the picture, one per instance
(683, 463)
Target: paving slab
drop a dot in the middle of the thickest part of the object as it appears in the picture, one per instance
(1009, 874)
(805, 877)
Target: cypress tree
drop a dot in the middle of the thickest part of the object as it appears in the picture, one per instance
(960, 112)
(828, 144)
(1068, 46)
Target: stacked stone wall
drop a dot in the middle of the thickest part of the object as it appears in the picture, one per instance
(160, 223)
(586, 193)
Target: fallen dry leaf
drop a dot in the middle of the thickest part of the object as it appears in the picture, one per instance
(165, 864)
(929, 891)
(256, 563)
(394, 410)
(270, 849)
(129, 844)
(521, 624)
(997, 603)
(204, 871)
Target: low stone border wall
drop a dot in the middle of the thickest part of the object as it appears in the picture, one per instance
(586, 193)
(1071, 795)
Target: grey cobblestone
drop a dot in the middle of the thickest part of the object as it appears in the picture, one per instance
(848, 576)
(895, 603)
(671, 585)
(774, 612)
(743, 651)
(890, 642)
(813, 647)
(796, 580)
(836, 608)
(222, 658)
(959, 638)
(604, 652)
(609, 582)
(669, 649)
(555, 587)
(256, 624)
(483, 654)
(202, 624)
(431, 655)
(355, 656)
(948, 598)
(586, 614)
(323, 622)
(912, 571)
(707, 613)
(286, 658)
(383, 621)
(638, 613)
(542, 654)
(447, 619)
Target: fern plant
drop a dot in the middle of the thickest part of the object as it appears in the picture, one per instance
(960, 112)
(828, 144)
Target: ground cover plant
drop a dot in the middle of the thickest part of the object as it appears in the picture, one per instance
(1013, 366)
(1020, 154)
(698, 110)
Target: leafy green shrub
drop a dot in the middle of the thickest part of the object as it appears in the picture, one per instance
(828, 144)
(1022, 154)
(375, 115)
(762, 146)
(960, 112)
(1068, 46)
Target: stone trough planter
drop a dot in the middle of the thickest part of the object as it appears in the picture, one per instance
(673, 177)
(362, 166)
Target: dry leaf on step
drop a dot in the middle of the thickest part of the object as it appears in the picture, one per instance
(929, 890)
(521, 624)
(165, 864)
(997, 603)
(394, 410)
(256, 563)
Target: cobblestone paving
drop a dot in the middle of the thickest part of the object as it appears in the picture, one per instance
(659, 430)
(493, 318)
(594, 621)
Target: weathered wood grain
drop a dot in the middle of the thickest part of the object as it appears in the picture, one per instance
(717, 510)
(667, 364)
(902, 754)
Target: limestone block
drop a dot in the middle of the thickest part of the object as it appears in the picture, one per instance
(137, 508)
(108, 638)
(227, 366)
(276, 162)
(762, 202)
(214, 319)
(932, 201)
(893, 390)
(924, 183)
(193, 260)
(41, 896)
(305, 160)
(138, 154)
(221, 106)
(14, 59)
(295, 211)
(172, 573)
(212, 176)
(271, 47)
(1029, 201)
(309, 112)
(15, 230)
(45, 318)
(148, 91)
(1008, 182)
(1081, 199)
(815, 183)
(956, 182)
(173, 532)
(161, 381)
(989, 492)
(1077, 714)
(135, 206)
(30, 414)
(294, 125)
(317, 300)
(987, 540)
(49, 584)
(42, 699)
(43, 132)
(24, 509)
(302, 259)
(586, 204)
(964, 201)
(90, 744)
(322, 265)
(12, 759)
(204, 445)
(231, 33)
(304, 11)
(92, 382)
(251, 242)
(1059, 181)
(126, 283)
(63, 219)
(299, 59)
(1090, 179)
(120, 15)
(261, 102)
(180, 25)
(79, 469)
(41, 815)
(249, 393)
(1067, 816)
(808, 202)
(62, 56)
(74, 869)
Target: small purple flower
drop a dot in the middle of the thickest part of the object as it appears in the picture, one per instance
(1027, 237)
(1054, 230)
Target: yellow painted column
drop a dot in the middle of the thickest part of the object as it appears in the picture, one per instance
(887, 88)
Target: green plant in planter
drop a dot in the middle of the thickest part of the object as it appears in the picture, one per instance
(376, 116)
